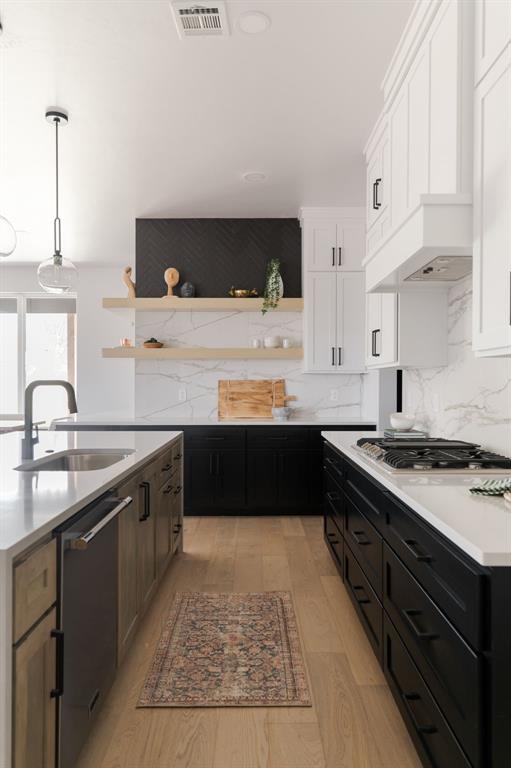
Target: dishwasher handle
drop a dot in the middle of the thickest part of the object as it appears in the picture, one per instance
(82, 542)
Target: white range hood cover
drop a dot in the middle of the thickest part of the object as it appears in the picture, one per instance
(441, 225)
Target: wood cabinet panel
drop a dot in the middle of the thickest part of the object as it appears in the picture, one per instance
(34, 708)
(35, 586)
(128, 565)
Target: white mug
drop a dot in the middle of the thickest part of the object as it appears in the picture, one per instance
(255, 343)
(271, 342)
(286, 343)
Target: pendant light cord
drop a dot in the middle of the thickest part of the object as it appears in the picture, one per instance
(56, 222)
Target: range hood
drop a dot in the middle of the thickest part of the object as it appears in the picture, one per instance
(432, 245)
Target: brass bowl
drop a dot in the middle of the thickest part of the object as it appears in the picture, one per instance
(153, 344)
(243, 293)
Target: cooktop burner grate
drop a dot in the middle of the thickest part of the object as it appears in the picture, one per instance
(432, 453)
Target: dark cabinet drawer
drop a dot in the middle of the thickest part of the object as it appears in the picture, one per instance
(430, 732)
(214, 437)
(334, 464)
(334, 539)
(449, 666)
(455, 584)
(334, 501)
(365, 600)
(277, 437)
(365, 494)
(365, 542)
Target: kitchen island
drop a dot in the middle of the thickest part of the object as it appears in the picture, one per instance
(427, 566)
(33, 504)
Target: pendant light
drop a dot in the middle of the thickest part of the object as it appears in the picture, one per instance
(57, 274)
(7, 237)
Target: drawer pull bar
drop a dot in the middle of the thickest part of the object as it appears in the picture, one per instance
(334, 464)
(409, 613)
(59, 689)
(332, 496)
(168, 489)
(420, 728)
(411, 546)
(362, 542)
(166, 467)
(333, 539)
(360, 600)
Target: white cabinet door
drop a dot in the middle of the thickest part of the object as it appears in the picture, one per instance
(492, 33)
(350, 321)
(387, 339)
(350, 244)
(320, 245)
(399, 158)
(492, 211)
(381, 330)
(320, 322)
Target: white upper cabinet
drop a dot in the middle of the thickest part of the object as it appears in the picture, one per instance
(406, 330)
(423, 153)
(333, 239)
(334, 322)
(492, 204)
(492, 35)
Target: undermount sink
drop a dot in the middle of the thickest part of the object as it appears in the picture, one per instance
(77, 460)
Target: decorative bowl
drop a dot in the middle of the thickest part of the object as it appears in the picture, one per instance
(243, 293)
(271, 342)
(404, 421)
(153, 344)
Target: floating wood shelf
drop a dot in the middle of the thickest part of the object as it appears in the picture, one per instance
(177, 304)
(204, 353)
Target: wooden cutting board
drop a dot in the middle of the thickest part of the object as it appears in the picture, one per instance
(250, 398)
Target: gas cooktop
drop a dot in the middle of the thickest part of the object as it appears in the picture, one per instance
(432, 454)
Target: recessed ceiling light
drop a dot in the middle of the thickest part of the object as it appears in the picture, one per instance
(254, 22)
(254, 176)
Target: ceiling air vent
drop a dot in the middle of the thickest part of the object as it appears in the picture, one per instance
(193, 20)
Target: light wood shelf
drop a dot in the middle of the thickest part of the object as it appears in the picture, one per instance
(204, 353)
(178, 304)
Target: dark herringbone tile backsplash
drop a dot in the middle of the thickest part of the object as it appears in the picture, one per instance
(214, 254)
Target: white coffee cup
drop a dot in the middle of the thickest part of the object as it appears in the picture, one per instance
(271, 342)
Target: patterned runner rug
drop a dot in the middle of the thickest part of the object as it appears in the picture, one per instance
(228, 650)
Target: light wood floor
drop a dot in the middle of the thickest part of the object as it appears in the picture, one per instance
(354, 722)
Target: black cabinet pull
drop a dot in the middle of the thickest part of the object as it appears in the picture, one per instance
(409, 614)
(333, 538)
(278, 437)
(211, 463)
(340, 256)
(59, 681)
(333, 355)
(332, 496)
(339, 355)
(146, 486)
(166, 467)
(178, 490)
(411, 546)
(333, 256)
(376, 202)
(364, 598)
(374, 353)
(217, 470)
(178, 456)
(168, 489)
(420, 728)
(362, 542)
(212, 437)
(334, 464)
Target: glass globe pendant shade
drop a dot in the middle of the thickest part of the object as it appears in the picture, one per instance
(7, 237)
(57, 275)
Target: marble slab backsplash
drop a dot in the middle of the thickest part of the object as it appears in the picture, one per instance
(159, 383)
(469, 399)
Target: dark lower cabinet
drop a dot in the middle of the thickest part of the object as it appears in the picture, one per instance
(278, 480)
(218, 479)
(438, 622)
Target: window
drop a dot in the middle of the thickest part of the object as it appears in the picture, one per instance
(37, 341)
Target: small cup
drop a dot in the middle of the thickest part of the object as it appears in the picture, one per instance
(286, 343)
(255, 343)
(272, 342)
(125, 342)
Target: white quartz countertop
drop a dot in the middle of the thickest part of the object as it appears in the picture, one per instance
(33, 503)
(478, 525)
(125, 420)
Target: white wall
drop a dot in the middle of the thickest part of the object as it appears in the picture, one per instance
(470, 398)
(102, 385)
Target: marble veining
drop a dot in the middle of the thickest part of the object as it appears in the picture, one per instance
(158, 382)
(470, 398)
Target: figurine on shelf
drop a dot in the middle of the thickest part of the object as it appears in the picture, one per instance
(171, 276)
(187, 291)
(128, 282)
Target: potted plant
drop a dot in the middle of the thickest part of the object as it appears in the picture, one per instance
(274, 288)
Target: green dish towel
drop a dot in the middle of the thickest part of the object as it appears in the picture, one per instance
(492, 487)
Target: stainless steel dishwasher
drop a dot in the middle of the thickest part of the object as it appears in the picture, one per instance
(87, 642)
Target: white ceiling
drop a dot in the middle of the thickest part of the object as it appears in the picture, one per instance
(166, 127)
